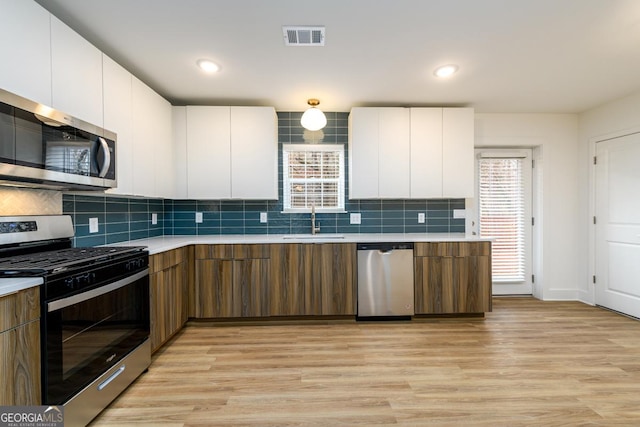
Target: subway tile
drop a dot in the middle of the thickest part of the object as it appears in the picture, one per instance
(117, 217)
(186, 231)
(232, 230)
(116, 238)
(203, 231)
(393, 229)
(155, 232)
(207, 206)
(86, 241)
(118, 227)
(438, 204)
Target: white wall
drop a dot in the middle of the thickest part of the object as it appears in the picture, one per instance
(610, 120)
(555, 138)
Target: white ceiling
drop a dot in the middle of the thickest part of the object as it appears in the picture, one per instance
(549, 56)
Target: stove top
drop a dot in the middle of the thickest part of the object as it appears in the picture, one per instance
(51, 262)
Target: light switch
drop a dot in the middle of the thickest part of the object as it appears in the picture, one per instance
(263, 217)
(421, 217)
(154, 218)
(198, 217)
(355, 218)
(93, 225)
(459, 213)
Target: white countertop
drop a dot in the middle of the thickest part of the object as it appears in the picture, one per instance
(166, 243)
(10, 286)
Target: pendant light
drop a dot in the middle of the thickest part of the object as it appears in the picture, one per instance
(313, 119)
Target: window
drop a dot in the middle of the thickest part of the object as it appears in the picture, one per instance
(313, 175)
(504, 180)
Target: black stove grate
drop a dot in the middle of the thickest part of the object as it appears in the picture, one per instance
(48, 262)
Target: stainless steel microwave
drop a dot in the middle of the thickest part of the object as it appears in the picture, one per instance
(43, 147)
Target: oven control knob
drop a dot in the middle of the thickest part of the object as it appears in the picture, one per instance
(69, 283)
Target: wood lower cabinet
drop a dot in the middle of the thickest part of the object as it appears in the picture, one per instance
(168, 291)
(452, 277)
(20, 344)
(332, 289)
(313, 279)
(291, 271)
(231, 281)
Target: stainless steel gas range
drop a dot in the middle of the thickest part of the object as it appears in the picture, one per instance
(95, 311)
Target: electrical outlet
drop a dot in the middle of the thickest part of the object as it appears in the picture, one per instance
(421, 217)
(355, 218)
(263, 217)
(154, 219)
(198, 217)
(459, 213)
(93, 225)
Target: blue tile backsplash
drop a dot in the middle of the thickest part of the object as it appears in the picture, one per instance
(121, 219)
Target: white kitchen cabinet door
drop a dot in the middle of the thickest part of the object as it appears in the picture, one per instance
(379, 153)
(426, 153)
(254, 153)
(457, 152)
(26, 50)
(118, 119)
(144, 146)
(208, 152)
(76, 67)
(165, 163)
(179, 131)
(364, 137)
(394, 157)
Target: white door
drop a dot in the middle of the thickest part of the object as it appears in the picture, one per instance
(618, 224)
(504, 215)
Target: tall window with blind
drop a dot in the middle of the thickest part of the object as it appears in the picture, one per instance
(504, 206)
(313, 174)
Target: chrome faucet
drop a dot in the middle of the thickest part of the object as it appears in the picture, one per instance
(314, 229)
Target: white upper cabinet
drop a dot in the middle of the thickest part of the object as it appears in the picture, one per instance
(379, 153)
(254, 153)
(442, 152)
(179, 142)
(232, 153)
(411, 153)
(118, 119)
(26, 50)
(457, 152)
(208, 152)
(153, 162)
(426, 153)
(76, 67)
(165, 162)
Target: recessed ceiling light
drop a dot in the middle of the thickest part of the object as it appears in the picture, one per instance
(446, 70)
(208, 66)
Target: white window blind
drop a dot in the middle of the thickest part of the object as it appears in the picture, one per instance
(313, 174)
(502, 210)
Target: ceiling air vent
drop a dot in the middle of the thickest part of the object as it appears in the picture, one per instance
(303, 35)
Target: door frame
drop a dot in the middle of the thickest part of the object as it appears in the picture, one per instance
(472, 217)
(589, 296)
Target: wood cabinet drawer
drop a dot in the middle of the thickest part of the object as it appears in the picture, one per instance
(461, 249)
(19, 308)
(164, 260)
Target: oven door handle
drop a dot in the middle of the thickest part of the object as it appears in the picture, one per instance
(84, 296)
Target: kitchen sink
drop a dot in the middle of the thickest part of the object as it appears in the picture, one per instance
(312, 236)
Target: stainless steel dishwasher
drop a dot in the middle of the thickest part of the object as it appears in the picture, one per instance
(385, 279)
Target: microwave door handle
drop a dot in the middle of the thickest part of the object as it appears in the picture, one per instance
(104, 149)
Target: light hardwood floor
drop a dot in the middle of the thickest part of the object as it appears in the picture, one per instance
(528, 363)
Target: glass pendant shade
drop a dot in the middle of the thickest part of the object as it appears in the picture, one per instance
(313, 119)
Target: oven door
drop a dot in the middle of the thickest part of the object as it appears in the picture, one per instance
(89, 332)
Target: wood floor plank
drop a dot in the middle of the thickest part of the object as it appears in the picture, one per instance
(527, 363)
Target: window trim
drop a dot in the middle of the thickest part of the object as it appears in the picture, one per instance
(337, 148)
